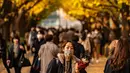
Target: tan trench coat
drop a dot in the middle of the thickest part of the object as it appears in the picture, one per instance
(47, 52)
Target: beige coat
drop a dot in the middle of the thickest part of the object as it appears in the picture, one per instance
(87, 45)
(47, 52)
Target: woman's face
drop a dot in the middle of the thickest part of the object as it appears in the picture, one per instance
(39, 36)
(69, 49)
(15, 41)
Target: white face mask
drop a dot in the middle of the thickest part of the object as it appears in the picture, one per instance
(39, 36)
(67, 52)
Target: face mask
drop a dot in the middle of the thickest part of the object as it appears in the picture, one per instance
(39, 36)
(67, 52)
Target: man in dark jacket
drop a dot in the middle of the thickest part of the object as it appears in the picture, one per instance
(79, 49)
(35, 48)
(3, 52)
(32, 37)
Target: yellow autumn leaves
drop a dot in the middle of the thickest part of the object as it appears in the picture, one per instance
(88, 8)
(72, 7)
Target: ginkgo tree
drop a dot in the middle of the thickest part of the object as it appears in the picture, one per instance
(84, 9)
(17, 14)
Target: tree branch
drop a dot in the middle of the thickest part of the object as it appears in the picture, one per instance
(87, 7)
(110, 6)
(23, 4)
(113, 4)
(32, 6)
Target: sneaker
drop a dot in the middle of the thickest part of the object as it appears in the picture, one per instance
(92, 60)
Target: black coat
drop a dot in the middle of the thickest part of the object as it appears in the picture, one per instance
(37, 44)
(14, 62)
(126, 68)
(79, 50)
(55, 66)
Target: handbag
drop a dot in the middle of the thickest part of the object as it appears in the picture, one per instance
(24, 62)
(37, 64)
(81, 65)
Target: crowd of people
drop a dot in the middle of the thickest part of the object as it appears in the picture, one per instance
(68, 50)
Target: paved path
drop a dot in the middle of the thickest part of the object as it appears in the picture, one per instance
(92, 68)
(24, 69)
(97, 67)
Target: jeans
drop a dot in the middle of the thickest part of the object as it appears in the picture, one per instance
(17, 69)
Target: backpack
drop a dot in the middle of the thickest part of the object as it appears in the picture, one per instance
(55, 66)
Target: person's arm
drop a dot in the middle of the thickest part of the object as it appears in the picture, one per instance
(76, 68)
(41, 50)
(82, 51)
(22, 48)
(9, 55)
(29, 39)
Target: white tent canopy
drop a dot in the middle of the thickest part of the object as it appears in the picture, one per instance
(57, 18)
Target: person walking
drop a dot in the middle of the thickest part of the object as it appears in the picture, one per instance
(66, 62)
(47, 52)
(79, 48)
(96, 35)
(36, 46)
(15, 52)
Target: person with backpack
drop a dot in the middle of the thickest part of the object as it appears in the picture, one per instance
(66, 62)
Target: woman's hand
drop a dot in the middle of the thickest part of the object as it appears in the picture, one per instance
(84, 60)
(8, 62)
(21, 47)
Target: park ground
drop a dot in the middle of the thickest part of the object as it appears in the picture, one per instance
(92, 68)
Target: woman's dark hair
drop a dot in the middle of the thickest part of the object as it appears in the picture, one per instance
(16, 37)
(64, 44)
(121, 54)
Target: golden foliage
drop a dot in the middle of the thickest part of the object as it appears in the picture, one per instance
(32, 6)
(79, 8)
